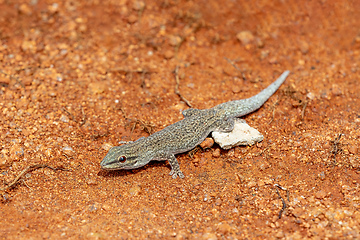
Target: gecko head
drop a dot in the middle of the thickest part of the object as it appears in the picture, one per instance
(121, 157)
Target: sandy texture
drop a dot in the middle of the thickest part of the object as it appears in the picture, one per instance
(77, 77)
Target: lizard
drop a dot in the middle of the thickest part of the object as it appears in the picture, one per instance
(186, 134)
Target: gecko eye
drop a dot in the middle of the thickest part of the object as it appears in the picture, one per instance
(122, 159)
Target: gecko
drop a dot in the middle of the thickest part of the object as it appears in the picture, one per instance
(185, 134)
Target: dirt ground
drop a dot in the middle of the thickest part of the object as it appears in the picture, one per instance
(78, 77)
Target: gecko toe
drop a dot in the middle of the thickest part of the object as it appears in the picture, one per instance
(175, 174)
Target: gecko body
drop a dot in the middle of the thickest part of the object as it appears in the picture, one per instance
(185, 134)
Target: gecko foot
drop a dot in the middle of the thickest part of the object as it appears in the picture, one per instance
(176, 173)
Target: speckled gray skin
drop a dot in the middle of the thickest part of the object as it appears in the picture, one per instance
(186, 134)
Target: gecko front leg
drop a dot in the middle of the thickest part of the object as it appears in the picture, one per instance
(175, 167)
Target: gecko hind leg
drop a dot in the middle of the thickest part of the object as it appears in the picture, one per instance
(226, 125)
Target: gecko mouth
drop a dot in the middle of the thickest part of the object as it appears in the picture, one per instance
(128, 166)
(116, 165)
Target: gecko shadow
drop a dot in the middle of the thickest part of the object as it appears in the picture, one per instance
(126, 172)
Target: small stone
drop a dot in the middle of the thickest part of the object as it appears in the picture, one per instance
(353, 149)
(139, 5)
(53, 8)
(322, 175)
(242, 134)
(251, 184)
(64, 119)
(320, 194)
(132, 18)
(4, 79)
(216, 153)
(68, 150)
(207, 143)
(48, 152)
(209, 236)
(264, 54)
(224, 228)
(3, 161)
(304, 47)
(95, 235)
(218, 202)
(181, 235)
(355, 162)
(196, 160)
(174, 40)
(107, 146)
(29, 46)
(264, 165)
(180, 106)
(259, 43)
(96, 87)
(25, 9)
(135, 190)
(94, 207)
(326, 145)
(268, 181)
(169, 54)
(298, 212)
(236, 89)
(245, 37)
(357, 39)
(280, 234)
(310, 96)
(260, 183)
(336, 90)
(91, 181)
(273, 60)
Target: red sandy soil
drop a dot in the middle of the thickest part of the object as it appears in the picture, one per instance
(77, 77)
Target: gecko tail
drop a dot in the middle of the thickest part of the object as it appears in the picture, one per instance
(242, 107)
(259, 99)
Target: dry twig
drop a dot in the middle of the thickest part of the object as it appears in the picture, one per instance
(192, 152)
(12, 77)
(336, 148)
(83, 118)
(303, 110)
(28, 169)
(273, 110)
(282, 200)
(236, 67)
(70, 114)
(177, 87)
(146, 126)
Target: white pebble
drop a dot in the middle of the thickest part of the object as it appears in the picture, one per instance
(242, 134)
